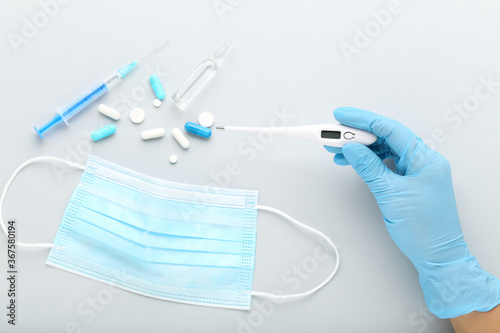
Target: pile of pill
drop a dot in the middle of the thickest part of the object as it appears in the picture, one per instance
(137, 116)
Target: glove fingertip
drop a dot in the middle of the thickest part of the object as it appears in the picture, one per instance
(334, 150)
(339, 112)
(365, 162)
(339, 159)
(354, 149)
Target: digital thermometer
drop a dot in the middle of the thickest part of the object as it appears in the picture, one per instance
(334, 135)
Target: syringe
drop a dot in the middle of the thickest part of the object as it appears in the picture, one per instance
(92, 95)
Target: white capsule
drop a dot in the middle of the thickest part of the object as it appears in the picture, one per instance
(153, 133)
(206, 119)
(107, 111)
(173, 159)
(137, 115)
(157, 103)
(179, 136)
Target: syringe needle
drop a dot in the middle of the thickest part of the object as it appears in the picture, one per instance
(153, 51)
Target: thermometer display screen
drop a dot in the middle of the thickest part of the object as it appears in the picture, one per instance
(330, 134)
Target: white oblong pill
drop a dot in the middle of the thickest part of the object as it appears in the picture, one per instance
(157, 103)
(137, 115)
(206, 119)
(173, 159)
(153, 133)
(109, 112)
(179, 136)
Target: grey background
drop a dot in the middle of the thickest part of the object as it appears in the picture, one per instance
(287, 55)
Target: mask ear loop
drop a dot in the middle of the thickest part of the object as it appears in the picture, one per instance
(4, 193)
(314, 231)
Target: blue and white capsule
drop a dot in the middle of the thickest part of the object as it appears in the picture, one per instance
(103, 132)
(157, 86)
(196, 129)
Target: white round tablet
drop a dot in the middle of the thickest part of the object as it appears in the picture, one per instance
(173, 159)
(137, 115)
(157, 103)
(206, 119)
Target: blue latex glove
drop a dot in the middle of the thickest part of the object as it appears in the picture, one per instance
(420, 213)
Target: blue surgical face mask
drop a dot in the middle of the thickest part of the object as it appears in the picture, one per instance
(178, 242)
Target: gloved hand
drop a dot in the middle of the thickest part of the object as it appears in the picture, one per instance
(420, 213)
